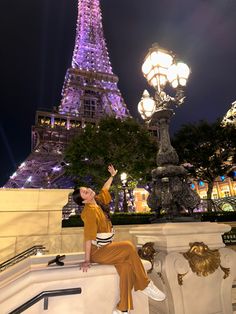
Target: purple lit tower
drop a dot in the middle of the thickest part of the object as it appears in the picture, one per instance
(89, 93)
(90, 89)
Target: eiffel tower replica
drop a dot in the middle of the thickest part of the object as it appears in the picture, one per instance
(89, 93)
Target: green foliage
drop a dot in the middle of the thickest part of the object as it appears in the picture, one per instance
(219, 216)
(131, 218)
(208, 148)
(144, 218)
(116, 218)
(124, 143)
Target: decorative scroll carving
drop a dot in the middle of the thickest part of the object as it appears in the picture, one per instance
(158, 270)
(181, 267)
(147, 252)
(204, 261)
(226, 271)
(180, 278)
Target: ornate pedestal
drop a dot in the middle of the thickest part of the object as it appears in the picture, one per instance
(191, 266)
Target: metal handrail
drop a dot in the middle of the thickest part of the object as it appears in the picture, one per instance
(45, 295)
(21, 256)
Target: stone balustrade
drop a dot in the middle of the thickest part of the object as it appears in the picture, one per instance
(192, 266)
(100, 287)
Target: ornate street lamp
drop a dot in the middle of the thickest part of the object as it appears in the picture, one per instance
(123, 178)
(171, 191)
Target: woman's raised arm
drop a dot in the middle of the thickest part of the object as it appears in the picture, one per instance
(113, 172)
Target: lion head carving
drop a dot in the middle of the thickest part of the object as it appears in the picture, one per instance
(202, 260)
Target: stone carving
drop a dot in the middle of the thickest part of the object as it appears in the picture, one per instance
(147, 252)
(181, 278)
(204, 261)
(158, 269)
(181, 267)
(226, 271)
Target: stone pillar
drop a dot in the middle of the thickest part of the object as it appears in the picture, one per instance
(191, 266)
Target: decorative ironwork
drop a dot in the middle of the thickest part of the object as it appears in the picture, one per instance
(171, 191)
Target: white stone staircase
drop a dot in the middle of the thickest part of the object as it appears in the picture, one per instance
(100, 287)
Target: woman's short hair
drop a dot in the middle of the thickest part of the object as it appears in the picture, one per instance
(77, 197)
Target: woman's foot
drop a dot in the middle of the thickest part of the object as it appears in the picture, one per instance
(120, 312)
(153, 292)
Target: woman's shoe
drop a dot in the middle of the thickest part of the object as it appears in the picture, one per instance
(119, 312)
(153, 292)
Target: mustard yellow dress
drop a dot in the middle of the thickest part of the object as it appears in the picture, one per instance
(122, 255)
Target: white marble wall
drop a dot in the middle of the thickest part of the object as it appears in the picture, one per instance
(29, 217)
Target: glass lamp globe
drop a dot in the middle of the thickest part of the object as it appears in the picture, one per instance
(178, 74)
(156, 65)
(123, 177)
(146, 106)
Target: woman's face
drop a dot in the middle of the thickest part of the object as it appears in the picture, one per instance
(87, 194)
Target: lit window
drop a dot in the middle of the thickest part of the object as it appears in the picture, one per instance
(89, 108)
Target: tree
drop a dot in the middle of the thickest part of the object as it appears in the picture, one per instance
(124, 143)
(208, 148)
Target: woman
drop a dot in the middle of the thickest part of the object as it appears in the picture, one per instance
(99, 247)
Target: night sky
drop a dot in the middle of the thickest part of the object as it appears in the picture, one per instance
(37, 41)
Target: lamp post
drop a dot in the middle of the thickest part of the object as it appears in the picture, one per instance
(171, 192)
(123, 178)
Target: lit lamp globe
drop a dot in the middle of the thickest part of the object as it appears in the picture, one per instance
(178, 74)
(156, 65)
(146, 106)
(123, 177)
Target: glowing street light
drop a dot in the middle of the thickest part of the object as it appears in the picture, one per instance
(160, 68)
(170, 189)
(123, 177)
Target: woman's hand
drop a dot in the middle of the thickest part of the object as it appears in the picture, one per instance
(84, 266)
(112, 170)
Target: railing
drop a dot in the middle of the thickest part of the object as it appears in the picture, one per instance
(45, 295)
(21, 256)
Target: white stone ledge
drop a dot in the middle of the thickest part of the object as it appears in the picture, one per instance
(30, 277)
(174, 237)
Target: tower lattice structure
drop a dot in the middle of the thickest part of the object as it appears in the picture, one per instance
(90, 89)
(89, 93)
